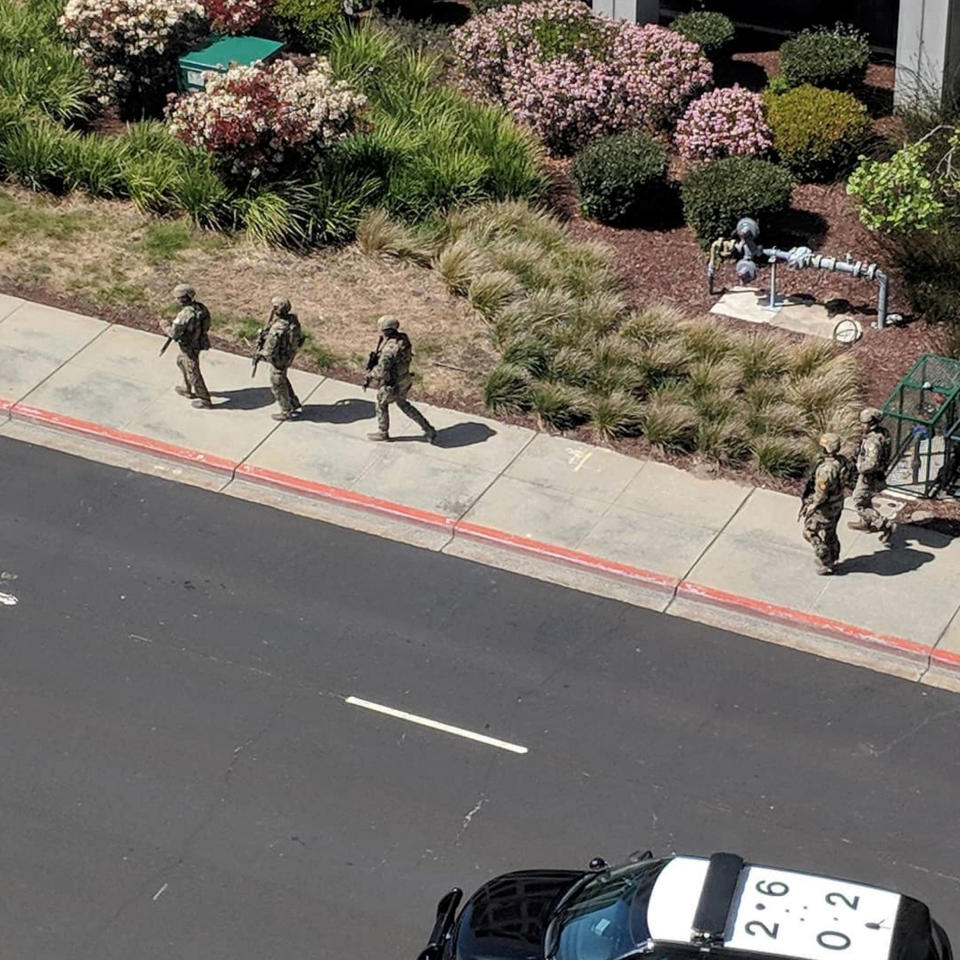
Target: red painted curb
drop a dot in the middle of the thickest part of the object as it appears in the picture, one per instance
(835, 629)
(348, 498)
(158, 448)
(787, 616)
(573, 558)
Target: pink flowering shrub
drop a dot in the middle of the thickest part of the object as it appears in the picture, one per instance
(728, 122)
(131, 47)
(572, 76)
(261, 119)
(236, 16)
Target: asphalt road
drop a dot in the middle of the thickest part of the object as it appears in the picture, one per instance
(183, 778)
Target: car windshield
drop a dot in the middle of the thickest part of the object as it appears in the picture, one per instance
(606, 917)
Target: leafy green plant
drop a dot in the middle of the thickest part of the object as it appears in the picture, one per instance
(724, 440)
(528, 352)
(652, 325)
(897, 195)
(706, 339)
(489, 292)
(713, 32)
(307, 25)
(621, 177)
(717, 194)
(614, 414)
(834, 57)
(668, 424)
(762, 355)
(558, 405)
(780, 456)
(46, 77)
(817, 132)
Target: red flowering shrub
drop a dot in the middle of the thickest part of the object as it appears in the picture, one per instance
(236, 16)
(260, 119)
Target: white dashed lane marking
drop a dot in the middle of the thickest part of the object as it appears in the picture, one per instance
(436, 725)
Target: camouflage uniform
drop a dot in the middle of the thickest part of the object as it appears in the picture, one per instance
(873, 459)
(822, 505)
(284, 338)
(190, 331)
(392, 377)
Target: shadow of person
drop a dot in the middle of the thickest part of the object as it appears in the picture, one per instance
(886, 562)
(249, 398)
(463, 435)
(349, 410)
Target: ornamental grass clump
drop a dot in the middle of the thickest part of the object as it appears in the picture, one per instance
(727, 122)
(572, 76)
(262, 120)
(131, 47)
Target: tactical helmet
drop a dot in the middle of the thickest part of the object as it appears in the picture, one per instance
(830, 443)
(282, 304)
(183, 291)
(388, 323)
(870, 415)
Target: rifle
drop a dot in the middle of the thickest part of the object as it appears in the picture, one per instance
(166, 344)
(372, 360)
(261, 340)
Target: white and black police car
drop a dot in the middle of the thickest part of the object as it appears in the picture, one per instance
(682, 908)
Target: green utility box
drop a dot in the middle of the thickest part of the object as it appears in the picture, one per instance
(220, 54)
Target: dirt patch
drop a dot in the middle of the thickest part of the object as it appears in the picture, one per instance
(105, 258)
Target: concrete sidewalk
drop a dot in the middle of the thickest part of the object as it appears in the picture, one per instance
(579, 515)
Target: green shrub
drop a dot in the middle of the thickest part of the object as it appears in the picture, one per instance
(46, 77)
(712, 31)
(834, 57)
(307, 25)
(622, 176)
(718, 194)
(817, 133)
(558, 405)
(507, 389)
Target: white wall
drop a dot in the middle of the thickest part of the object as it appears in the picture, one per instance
(928, 48)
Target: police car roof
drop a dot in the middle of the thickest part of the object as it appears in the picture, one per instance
(726, 903)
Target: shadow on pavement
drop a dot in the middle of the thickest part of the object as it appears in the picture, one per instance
(886, 562)
(349, 410)
(249, 398)
(459, 435)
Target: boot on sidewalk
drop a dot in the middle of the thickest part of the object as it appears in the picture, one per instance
(378, 435)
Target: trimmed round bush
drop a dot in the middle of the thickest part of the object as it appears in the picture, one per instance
(727, 122)
(713, 32)
(716, 195)
(307, 24)
(817, 133)
(621, 175)
(834, 57)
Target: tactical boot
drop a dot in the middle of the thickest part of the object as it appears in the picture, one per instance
(886, 534)
(431, 435)
(860, 525)
(282, 415)
(201, 404)
(379, 435)
(823, 570)
(184, 392)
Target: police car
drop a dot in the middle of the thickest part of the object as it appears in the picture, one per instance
(682, 908)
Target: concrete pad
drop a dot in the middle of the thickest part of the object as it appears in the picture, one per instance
(899, 592)
(344, 409)
(575, 468)
(8, 305)
(797, 314)
(538, 513)
(35, 340)
(232, 434)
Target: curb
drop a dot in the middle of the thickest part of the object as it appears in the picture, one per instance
(680, 589)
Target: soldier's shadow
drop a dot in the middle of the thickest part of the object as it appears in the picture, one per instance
(458, 435)
(348, 410)
(249, 398)
(886, 562)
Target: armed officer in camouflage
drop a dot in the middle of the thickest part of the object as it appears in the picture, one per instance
(190, 331)
(873, 459)
(391, 376)
(284, 337)
(823, 503)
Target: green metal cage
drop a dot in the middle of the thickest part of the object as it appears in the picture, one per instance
(923, 418)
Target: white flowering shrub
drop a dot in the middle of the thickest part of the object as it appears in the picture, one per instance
(262, 120)
(131, 47)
